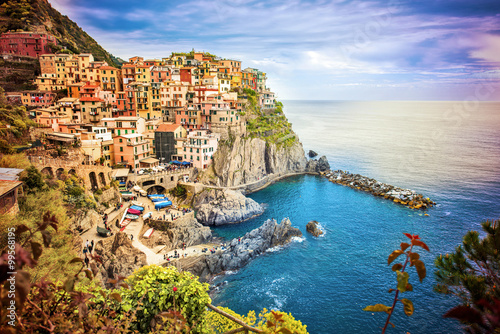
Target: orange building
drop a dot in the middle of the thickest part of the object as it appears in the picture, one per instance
(130, 149)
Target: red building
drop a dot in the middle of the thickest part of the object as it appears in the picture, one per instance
(27, 44)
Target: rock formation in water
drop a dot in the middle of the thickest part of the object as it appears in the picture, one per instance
(318, 166)
(218, 207)
(119, 257)
(312, 154)
(239, 252)
(312, 227)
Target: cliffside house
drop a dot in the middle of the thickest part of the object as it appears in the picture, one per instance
(25, 43)
(199, 148)
(10, 187)
(168, 137)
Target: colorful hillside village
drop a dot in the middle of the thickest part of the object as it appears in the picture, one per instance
(149, 112)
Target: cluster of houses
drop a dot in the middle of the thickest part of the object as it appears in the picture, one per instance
(148, 111)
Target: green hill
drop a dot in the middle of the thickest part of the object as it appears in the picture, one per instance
(39, 16)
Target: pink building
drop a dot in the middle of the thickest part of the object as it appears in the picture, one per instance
(27, 44)
(199, 148)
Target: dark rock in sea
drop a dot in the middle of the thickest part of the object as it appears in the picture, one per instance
(219, 207)
(312, 154)
(312, 227)
(317, 166)
(239, 252)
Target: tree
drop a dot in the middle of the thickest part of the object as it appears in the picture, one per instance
(33, 179)
(472, 273)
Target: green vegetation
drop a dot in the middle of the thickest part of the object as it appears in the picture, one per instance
(472, 273)
(14, 125)
(179, 191)
(40, 195)
(402, 277)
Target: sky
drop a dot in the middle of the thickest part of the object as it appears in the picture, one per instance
(318, 50)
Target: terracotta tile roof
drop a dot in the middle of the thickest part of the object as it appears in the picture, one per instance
(90, 99)
(167, 127)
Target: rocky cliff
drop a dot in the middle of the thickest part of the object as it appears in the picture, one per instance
(219, 207)
(239, 252)
(247, 160)
(184, 230)
(119, 257)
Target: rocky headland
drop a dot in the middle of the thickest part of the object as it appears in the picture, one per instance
(248, 160)
(219, 207)
(240, 251)
(398, 195)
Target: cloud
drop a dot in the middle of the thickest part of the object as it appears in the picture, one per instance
(397, 41)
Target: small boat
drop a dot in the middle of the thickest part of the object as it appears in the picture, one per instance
(147, 215)
(156, 196)
(125, 222)
(149, 233)
(159, 199)
(161, 205)
(138, 208)
(103, 232)
(133, 217)
(143, 192)
(135, 203)
(133, 211)
(127, 194)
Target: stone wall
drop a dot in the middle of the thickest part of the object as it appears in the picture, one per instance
(94, 176)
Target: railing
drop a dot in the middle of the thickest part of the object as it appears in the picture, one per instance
(244, 327)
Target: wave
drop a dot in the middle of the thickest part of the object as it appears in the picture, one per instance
(274, 249)
(297, 239)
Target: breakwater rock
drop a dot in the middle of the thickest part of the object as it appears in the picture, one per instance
(219, 207)
(240, 252)
(398, 195)
(312, 227)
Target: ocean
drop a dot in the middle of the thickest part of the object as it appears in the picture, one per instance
(448, 151)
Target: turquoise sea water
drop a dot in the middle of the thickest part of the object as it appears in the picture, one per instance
(449, 151)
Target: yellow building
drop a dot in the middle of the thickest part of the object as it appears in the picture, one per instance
(143, 73)
(110, 79)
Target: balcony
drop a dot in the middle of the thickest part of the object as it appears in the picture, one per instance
(135, 143)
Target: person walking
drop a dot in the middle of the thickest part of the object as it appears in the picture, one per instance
(91, 247)
(86, 261)
(131, 237)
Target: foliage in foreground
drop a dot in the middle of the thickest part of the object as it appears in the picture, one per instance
(402, 277)
(153, 299)
(472, 273)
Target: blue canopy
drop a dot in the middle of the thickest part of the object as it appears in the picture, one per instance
(176, 162)
(138, 208)
(185, 163)
(161, 205)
